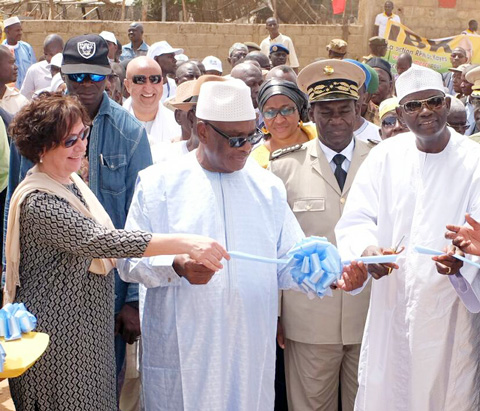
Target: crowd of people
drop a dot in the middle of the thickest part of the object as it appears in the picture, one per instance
(129, 173)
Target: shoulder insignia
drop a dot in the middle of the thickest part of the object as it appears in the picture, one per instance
(373, 143)
(282, 151)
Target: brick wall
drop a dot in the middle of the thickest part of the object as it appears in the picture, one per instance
(202, 39)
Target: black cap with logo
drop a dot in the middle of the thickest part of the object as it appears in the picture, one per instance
(86, 54)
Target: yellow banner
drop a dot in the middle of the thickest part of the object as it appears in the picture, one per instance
(432, 53)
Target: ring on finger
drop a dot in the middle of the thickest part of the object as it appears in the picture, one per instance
(449, 270)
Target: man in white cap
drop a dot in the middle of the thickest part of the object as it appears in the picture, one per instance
(38, 75)
(164, 54)
(24, 54)
(209, 340)
(112, 43)
(213, 65)
(144, 83)
(420, 349)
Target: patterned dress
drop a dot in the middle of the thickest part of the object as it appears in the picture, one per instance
(72, 305)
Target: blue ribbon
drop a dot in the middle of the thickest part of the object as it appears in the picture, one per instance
(15, 320)
(3, 354)
(431, 251)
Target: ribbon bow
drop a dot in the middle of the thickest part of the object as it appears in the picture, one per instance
(316, 265)
(15, 320)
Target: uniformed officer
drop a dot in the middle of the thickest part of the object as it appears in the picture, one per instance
(337, 48)
(322, 337)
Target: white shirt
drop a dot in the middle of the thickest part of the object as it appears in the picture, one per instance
(292, 59)
(38, 77)
(169, 89)
(347, 152)
(12, 101)
(211, 347)
(421, 339)
(367, 131)
(381, 21)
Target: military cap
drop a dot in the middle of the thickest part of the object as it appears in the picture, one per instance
(459, 69)
(338, 46)
(371, 76)
(473, 76)
(252, 45)
(377, 41)
(331, 80)
(278, 47)
(378, 62)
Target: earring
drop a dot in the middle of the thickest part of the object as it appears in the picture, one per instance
(41, 159)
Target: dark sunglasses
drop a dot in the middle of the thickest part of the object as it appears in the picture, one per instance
(140, 79)
(236, 142)
(284, 112)
(432, 103)
(80, 77)
(391, 121)
(72, 139)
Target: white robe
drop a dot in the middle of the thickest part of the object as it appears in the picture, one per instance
(420, 349)
(211, 347)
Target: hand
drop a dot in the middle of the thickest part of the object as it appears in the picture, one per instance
(280, 336)
(446, 264)
(193, 271)
(380, 270)
(353, 276)
(206, 251)
(127, 323)
(466, 238)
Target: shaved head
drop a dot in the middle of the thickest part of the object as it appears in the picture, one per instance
(137, 26)
(251, 75)
(53, 44)
(140, 63)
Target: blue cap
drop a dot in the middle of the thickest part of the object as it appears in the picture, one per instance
(368, 76)
(278, 47)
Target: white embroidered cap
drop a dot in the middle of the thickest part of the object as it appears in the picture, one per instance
(418, 78)
(10, 21)
(212, 63)
(109, 36)
(161, 47)
(225, 101)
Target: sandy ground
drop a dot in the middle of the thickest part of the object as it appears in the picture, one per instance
(6, 403)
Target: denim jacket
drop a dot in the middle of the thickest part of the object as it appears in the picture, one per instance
(118, 149)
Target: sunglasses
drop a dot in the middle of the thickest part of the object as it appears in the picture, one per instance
(140, 79)
(432, 103)
(236, 142)
(284, 112)
(391, 121)
(80, 77)
(72, 139)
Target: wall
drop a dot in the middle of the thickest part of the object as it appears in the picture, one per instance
(202, 39)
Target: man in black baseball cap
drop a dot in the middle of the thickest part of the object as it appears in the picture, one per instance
(117, 150)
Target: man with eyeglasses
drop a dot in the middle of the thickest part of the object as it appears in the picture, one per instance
(117, 150)
(209, 340)
(318, 176)
(457, 116)
(420, 348)
(391, 123)
(144, 82)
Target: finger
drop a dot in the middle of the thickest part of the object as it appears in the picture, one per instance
(453, 228)
(444, 259)
(223, 252)
(475, 225)
(211, 266)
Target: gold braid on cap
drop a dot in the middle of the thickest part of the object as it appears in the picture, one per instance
(317, 91)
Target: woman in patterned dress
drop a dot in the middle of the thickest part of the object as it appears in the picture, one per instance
(58, 242)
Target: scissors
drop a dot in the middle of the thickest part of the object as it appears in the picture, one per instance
(396, 251)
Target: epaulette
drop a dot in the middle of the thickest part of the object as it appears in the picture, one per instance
(372, 143)
(282, 151)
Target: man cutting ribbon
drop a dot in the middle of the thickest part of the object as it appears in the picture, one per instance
(209, 340)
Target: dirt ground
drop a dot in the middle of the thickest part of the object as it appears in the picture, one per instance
(6, 403)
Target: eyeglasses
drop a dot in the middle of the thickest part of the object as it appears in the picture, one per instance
(80, 77)
(391, 121)
(239, 141)
(284, 112)
(432, 103)
(141, 79)
(72, 139)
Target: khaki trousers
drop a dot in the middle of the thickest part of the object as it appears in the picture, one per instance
(313, 373)
(130, 394)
